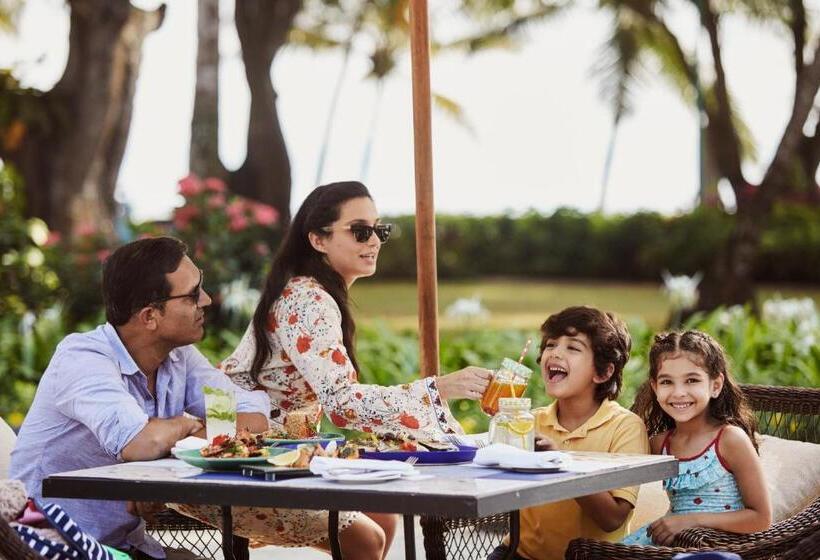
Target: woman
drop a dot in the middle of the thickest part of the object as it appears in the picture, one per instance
(299, 348)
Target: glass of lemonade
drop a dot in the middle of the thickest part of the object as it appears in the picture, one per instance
(514, 424)
(220, 412)
(509, 381)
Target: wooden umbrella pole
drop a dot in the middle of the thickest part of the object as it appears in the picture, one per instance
(425, 211)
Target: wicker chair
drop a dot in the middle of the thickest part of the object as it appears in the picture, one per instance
(786, 412)
(175, 530)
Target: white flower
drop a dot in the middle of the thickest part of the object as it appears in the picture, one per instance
(798, 317)
(728, 316)
(238, 297)
(467, 308)
(681, 290)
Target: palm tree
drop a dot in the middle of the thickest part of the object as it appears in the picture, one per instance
(797, 157)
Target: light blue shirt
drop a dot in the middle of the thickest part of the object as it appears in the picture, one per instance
(90, 403)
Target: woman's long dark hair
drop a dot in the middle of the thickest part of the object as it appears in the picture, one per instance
(729, 407)
(297, 257)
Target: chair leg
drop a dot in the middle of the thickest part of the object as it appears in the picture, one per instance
(240, 548)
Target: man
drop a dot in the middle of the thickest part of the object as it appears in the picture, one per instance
(118, 393)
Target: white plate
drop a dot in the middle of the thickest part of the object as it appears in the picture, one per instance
(542, 470)
(363, 478)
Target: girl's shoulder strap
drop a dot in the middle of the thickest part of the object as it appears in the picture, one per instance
(665, 444)
(716, 443)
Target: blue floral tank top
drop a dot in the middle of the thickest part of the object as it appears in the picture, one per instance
(704, 484)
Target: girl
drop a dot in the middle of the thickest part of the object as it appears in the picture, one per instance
(698, 414)
(299, 348)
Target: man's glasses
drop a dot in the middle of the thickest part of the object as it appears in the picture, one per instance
(193, 295)
(363, 232)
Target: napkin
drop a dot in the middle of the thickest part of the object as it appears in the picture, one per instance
(190, 442)
(320, 465)
(509, 456)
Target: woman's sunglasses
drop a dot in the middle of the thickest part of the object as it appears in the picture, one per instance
(363, 232)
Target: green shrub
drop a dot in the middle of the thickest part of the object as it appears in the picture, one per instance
(571, 244)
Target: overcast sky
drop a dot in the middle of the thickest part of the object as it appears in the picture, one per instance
(539, 128)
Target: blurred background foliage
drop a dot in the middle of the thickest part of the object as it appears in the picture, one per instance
(51, 287)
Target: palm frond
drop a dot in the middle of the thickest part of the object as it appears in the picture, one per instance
(619, 65)
(502, 32)
(312, 39)
(450, 108)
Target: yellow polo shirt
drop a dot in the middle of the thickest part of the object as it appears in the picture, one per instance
(547, 529)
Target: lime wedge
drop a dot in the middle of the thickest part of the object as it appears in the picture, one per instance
(284, 459)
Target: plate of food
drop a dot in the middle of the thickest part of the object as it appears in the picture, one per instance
(319, 438)
(391, 447)
(300, 427)
(227, 453)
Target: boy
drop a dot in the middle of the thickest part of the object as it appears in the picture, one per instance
(583, 353)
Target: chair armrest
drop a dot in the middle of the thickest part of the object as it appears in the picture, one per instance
(796, 527)
(590, 549)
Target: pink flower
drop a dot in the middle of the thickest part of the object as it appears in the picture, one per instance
(261, 249)
(53, 239)
(264, 214)
(190, 186)
(215, 184)
(86, 229)
(184, 215)
(102, 254)
(236, 209)
(216, 201)
(199, 251)
(238, 223)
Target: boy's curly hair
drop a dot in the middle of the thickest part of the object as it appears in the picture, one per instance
(608, 334)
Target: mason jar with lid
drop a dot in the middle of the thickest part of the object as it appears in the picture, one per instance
(514, 424)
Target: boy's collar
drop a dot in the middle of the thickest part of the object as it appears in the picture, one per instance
(605, 411)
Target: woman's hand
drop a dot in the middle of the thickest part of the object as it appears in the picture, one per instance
(467, 383)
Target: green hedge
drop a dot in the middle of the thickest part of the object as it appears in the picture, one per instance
(571, 244)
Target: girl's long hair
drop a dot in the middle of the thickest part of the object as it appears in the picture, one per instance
(729, 407)
(297, 257)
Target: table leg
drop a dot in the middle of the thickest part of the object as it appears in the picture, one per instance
(227, 533)
(515, 533)
(409, 537)
(333, 535)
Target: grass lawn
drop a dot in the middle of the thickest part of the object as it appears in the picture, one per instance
(524, 304)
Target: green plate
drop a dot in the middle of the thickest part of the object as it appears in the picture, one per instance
(320, 438)
(193, 457)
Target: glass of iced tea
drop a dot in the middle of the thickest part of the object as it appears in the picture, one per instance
(510, 380)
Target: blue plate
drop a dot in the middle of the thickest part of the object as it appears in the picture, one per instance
(322, 438)
(464, 454)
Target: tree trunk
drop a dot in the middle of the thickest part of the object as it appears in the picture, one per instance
(204, 154)
(70, 158)
(263, 27)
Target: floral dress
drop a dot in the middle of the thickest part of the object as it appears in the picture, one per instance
(704, 484)
(309, 374)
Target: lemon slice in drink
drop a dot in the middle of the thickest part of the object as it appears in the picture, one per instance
(284, 459)
(520, 427)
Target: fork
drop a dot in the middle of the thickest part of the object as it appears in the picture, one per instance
(456, 440)
(412, 460)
